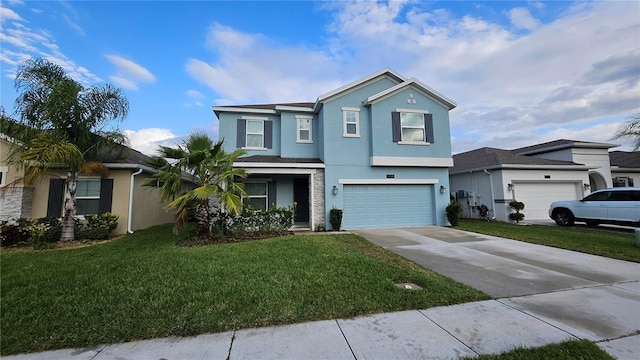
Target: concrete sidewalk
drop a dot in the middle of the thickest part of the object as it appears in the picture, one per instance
(448, 332)
(545, 295)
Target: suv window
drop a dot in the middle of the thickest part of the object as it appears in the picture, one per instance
(621, 196)
(601, 196)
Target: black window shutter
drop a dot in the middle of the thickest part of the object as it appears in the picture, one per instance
(428, 128)
(271, 194)
(242, 133)
(56, 193)
(395, 126)
(268, 134)
(106, 196)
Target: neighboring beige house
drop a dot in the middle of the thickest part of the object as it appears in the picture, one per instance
(120, 192)
(538, 175)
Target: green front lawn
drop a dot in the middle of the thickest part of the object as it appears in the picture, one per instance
(612, 244)
(568, 350)
(143, 286)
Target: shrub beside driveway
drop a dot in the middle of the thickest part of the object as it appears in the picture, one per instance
(613, 244)
(144, 286)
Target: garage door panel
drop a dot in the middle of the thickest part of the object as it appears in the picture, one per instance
(387, 206)
(537, 197)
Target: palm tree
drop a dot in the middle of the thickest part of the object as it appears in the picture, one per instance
(630, 129)
(209, 167)
(63, 126)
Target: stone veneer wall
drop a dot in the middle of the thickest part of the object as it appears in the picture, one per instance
(318, 195)
(16, 203)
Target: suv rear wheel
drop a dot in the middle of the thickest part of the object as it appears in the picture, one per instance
(564, 217)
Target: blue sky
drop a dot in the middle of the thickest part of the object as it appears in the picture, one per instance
(522, 72)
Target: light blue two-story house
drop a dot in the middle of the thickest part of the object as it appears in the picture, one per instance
(378, 148)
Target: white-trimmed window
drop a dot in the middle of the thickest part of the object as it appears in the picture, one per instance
(412, 127)
(255, 134)
(88, 197)
(256, 195)
(3, 175)
(351, 122)
(303, 129)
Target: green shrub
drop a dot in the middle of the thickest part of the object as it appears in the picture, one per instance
(335, 218)
(54, 229)
(453, 211)
(14, 232)
(517, 206)
(252, 222)
(97, 227)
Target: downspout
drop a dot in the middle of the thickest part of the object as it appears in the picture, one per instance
(493, 203)
(131, 183)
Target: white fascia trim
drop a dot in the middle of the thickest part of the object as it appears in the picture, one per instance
(273, 171)
(261, 118)
(346, 108)
(130, 166)
(418, 111)
(243, 110)
(294, 108)
(420, 87)
(359, 82)
(411, 161)
(388, 181)
(310, 117)
(278, 165)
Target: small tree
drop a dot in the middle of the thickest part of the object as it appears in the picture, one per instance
(453, 211)
(335, 218)
(517, 206)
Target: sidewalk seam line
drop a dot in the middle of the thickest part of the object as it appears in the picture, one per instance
(233, 336)
(99, 351)
(450, 334)
(345, 339)
(537, 318)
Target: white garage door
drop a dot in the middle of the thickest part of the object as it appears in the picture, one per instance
(373, 206)
(538, 196)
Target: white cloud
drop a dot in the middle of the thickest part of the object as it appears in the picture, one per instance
(195, 98)
(8, 14)
(521, 18)
(72, 24)
(513, 88)
(147, 140)
(129, 74)
(20, 42)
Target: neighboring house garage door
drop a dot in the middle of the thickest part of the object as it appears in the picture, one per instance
(373, 206)
(537, 197)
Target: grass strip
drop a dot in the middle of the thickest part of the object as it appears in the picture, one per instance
(568, 350)
(612, 244)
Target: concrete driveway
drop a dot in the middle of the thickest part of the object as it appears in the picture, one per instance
(502, 267)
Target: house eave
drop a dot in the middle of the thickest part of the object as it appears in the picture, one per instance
(524, 167)
(619, 169)
(240, 164)
(218, 109)
(577, 144)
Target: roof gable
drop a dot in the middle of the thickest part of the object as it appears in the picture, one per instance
(418, 86)
(386, 72)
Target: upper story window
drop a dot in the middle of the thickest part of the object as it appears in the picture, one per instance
(254, 133)
(622, 181)
(412, 127)
(88, 197)
(303, 129)
(351, 122)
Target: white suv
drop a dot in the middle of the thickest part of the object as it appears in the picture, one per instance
(613, 206)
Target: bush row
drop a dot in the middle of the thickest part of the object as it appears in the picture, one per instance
(252, 223)
(42, 231)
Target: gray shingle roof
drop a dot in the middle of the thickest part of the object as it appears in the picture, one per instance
(488, 157)
(559, 144)
(625, 159)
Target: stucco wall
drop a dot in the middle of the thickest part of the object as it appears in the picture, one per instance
(148, 208)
